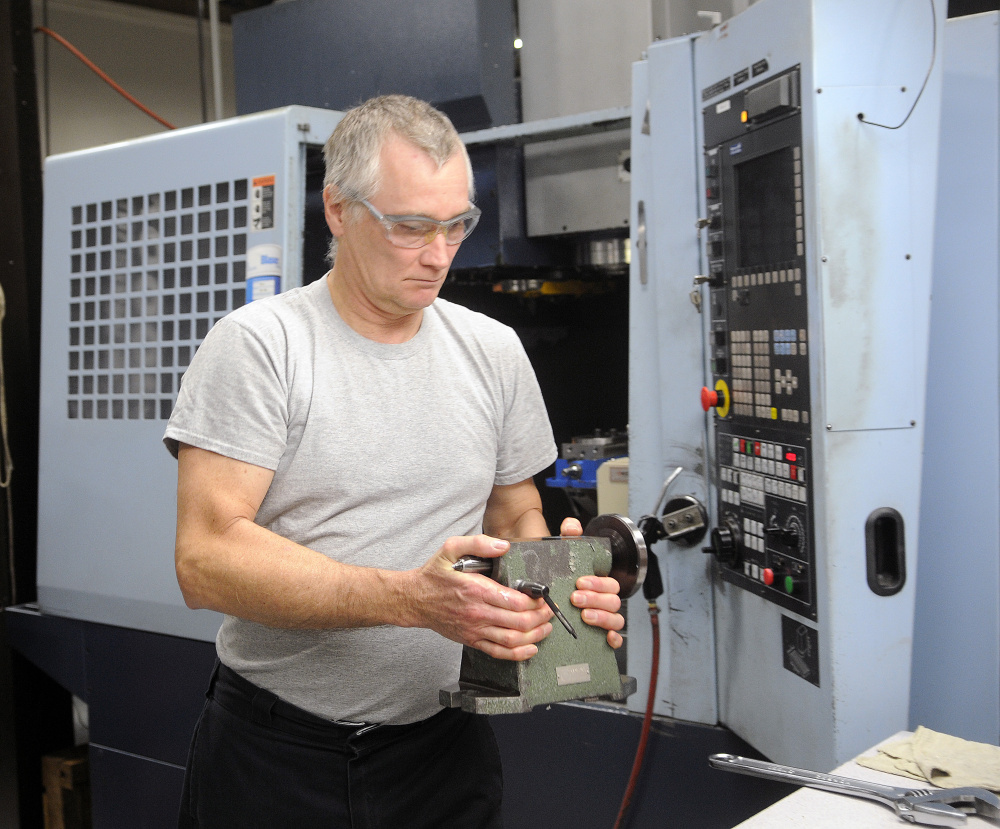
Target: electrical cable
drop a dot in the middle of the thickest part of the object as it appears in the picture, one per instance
(7, 473)
(640, 753)
(93, 67)
(861, 115)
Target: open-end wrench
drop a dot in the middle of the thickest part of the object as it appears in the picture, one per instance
(930, 807)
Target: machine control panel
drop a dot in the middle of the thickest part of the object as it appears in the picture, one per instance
(759, 342)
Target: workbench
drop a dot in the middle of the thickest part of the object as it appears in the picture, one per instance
(816, 809)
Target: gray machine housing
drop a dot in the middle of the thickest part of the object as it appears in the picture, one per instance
(956, 635)
(810, 463)
(146, 244)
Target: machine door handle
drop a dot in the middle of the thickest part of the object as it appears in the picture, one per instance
(640, 243)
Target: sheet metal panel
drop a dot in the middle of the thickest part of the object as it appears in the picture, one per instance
(145, 246)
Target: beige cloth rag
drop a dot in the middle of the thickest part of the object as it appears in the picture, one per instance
(946, 761)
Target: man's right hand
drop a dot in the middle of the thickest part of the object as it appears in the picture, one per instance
(473, 609)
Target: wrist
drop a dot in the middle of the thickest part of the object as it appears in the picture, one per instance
(399, 602)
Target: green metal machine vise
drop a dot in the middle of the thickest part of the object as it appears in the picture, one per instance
(581, 665)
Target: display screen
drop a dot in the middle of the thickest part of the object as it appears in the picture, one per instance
(765, 200)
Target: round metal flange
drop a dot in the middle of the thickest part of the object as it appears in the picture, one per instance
(628, 550)
(685, 520)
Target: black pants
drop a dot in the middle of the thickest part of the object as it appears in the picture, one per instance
(257, 761)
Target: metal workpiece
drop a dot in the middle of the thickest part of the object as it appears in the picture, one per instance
(474, 564)
(566, 667)
(629, 557)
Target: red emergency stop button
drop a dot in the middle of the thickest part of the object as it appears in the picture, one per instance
(709, 398)
(718, 397)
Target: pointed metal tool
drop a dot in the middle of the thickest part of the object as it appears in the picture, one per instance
(541, 591)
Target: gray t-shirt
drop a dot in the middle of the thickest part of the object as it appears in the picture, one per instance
(380, 453)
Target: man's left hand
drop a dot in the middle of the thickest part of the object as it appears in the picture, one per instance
(597, 596)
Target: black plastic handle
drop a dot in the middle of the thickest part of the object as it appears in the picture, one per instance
(885, 545)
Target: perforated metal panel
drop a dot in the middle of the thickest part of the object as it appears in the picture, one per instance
(145, 248)
(149, 275)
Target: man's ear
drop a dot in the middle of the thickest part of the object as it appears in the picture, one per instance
(334, 208)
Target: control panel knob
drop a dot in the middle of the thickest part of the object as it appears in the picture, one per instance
(789, 534)
(792, 534)
(725, 540)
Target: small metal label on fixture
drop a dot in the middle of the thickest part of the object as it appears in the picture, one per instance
(573, 674)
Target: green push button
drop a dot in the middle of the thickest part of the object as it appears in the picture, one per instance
(789, 585)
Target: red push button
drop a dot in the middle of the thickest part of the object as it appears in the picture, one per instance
(767, 576)
(709, 398)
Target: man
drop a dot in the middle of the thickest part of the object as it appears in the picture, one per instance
(328, 440)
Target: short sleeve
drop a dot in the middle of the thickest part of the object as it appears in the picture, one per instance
(526, 442)
(233, 397)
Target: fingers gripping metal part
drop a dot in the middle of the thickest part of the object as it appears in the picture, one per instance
(629, 558)
(580, 666)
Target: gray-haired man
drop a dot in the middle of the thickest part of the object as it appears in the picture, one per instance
(329, 440)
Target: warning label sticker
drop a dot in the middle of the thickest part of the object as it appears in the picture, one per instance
(262, 203)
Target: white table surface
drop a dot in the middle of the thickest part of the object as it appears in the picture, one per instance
(816, 809)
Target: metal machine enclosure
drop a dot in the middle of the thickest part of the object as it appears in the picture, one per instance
(787, 160)
(146, 245)
(956, 634)
(576, 58)
(454, 53)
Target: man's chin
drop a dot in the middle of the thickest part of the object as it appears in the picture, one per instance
(423, 293)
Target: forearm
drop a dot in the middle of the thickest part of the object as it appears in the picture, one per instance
(515, 511)
(530, 524)
(227, 562)
(248, 571)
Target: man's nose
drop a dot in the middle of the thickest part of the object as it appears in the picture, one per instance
(437, 252)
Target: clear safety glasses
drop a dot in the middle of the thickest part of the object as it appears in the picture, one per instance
(417, 231)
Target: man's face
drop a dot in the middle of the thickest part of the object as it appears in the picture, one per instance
(385, 279)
